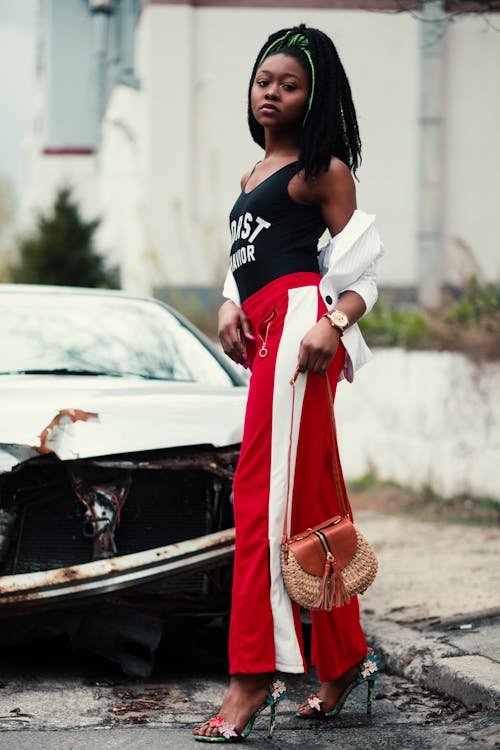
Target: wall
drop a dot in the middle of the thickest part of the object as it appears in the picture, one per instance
(59, 147)
(69, 117)
(472, 149)
(125, 192)
(173, 152)
(423, 418)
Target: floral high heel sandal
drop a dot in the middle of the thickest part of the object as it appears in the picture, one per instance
(368, 671)
(226, 731)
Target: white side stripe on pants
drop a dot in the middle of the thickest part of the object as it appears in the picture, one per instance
(300, 317)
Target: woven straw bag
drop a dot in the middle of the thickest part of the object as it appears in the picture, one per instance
(324, 566)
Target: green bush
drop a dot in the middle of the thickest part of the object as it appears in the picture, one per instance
(61, 250)
(468, 322)
(389, 326)
(475, 305)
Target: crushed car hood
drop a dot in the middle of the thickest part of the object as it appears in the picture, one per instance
(81, 417)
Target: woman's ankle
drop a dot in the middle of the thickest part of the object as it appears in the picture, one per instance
(251, 682)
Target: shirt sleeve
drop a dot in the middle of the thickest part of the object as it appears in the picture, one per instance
(366, 287)
(230, 290)
(348, 261)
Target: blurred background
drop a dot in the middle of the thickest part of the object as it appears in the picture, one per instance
(124, 124)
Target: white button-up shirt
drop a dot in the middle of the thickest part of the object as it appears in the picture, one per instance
(346, 262)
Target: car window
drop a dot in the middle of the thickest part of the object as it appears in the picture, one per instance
(93, 335)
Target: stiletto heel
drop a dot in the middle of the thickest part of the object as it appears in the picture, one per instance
(272, 720)
(368, 671)
(369, 698)
(227, 731)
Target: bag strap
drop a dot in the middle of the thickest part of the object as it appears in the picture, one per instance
(339, 484)
(345, 505)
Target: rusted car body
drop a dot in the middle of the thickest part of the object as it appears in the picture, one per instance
(116, 475)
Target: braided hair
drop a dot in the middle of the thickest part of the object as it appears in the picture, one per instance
(330, 127)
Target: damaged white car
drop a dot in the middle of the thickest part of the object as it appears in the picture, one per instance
(120, 427)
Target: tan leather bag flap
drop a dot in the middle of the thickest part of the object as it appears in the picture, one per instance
(310, 553)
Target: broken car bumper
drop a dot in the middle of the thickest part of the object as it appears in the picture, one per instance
(32, 590)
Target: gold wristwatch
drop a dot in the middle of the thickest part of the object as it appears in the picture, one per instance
(338, 320)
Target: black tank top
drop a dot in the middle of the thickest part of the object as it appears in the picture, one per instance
(271, 234)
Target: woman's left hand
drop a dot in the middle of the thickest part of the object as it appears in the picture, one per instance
(318, 347)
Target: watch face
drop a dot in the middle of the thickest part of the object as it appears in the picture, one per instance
(339, 318)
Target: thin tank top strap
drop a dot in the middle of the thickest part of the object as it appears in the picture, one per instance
(251, 173)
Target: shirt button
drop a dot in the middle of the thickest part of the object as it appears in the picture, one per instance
(328, 299)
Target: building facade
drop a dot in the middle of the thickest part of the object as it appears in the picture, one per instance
(143, 107)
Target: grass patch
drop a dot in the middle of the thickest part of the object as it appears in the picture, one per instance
(370, 493)
(468, 322)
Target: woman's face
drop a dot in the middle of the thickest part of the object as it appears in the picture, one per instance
(280, 91)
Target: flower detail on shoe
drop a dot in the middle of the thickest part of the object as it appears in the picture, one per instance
(314, 701)
(368, 669)
(224, 728)
(277, 692)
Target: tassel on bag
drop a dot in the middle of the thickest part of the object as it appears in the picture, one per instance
(341, 595)
(333, 592)
(325, 566)
(325, 599)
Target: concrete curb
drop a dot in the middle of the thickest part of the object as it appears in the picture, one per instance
(426, 658)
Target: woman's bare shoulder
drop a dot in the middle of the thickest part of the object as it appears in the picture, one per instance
(330, 184)
(337, 177)
(335, 193)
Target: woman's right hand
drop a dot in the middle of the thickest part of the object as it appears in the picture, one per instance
(234, 328)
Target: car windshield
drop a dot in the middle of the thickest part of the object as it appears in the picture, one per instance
(71, 334)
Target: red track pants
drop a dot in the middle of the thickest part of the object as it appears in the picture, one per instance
(265, 632)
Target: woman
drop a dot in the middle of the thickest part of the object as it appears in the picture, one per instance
(292, 309)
